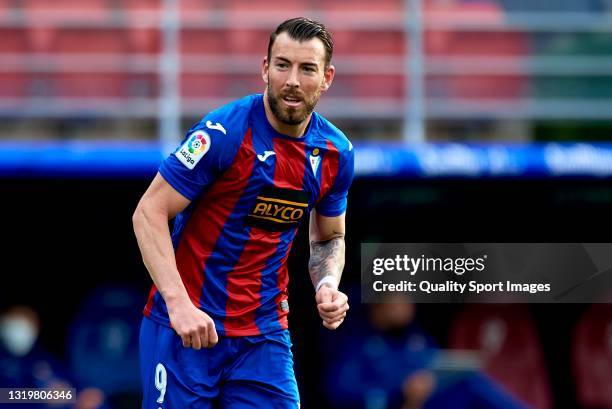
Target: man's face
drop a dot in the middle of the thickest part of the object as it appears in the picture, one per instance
(295, 77)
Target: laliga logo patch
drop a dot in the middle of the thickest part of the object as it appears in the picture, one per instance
(197, 143)
(194, 148)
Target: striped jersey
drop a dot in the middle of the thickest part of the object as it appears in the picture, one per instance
(250, 188)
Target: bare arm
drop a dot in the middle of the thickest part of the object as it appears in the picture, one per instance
(326, 249)
(325, 266)
(159, 204)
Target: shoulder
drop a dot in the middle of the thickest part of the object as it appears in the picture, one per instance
(230, 120)
(334, 136)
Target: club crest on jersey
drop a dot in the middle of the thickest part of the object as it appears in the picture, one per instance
(277, 209)
(315, 159)
(194, 148)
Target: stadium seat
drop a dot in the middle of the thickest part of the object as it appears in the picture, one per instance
(220, 85)
(478, 86)
(90, 40)
(6, 6)
(361, 5)
(472, 44)
(245, 41)
(68, 26)
(199, 85)
(82, 11)
(144, 40)
(235, 42)
(142, 5)
(355, 42)
(200, 5)
(40, 38)
(592, 357)
(14, 40)
(13, 85)
(372, 85)
(451, 44)
(509, 344)
(292, 8)
(103, 340)
(143, 85)
(88, 85)
(203, 41)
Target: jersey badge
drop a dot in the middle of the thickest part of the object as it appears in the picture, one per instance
(194, 148)
(315, 159)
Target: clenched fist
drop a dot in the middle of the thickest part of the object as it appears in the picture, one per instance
(332, 305)
(194, 326)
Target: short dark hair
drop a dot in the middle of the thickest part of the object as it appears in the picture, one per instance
(304, 29)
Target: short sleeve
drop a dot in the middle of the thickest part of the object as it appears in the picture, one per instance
(205, 152)
(334, 202)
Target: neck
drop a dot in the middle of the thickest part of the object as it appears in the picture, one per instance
(290, 130)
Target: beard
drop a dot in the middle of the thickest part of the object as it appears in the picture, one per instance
(289, 115)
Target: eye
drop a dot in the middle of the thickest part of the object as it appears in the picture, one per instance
(281, 65)
(309, 69)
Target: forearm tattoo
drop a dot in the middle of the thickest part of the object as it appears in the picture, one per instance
(326, 258)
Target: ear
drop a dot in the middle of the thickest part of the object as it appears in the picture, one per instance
(264, 69)
(328, 77)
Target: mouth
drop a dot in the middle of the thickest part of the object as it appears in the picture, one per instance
(292, 101)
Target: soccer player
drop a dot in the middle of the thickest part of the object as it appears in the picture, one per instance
(215, 327)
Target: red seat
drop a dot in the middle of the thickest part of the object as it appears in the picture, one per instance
(477, 86)
(5, 7)
(368, 85)
(291, 8)
(362, 5)
(247, 41)
(144, 40)
(90, 40)
(508, 341)
(220, 85)
(200, 5)
(203, 41)
(49, 32)
(455, 43)
(14, 40)
(142, 85)
(13, 85)
(87, 85)
(136, 6)
(592, 357)
(82, 11)
(354, 42)
(99, 85)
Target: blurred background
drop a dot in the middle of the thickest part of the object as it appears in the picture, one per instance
(473, 121)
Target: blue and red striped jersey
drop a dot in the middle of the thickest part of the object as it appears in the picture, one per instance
(250, 188)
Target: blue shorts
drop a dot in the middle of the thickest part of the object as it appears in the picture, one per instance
(237, 373)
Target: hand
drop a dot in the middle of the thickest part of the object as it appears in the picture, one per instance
(332, 305)
(194, 326)
(417, 388)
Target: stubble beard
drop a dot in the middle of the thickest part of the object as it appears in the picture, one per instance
(288, 115)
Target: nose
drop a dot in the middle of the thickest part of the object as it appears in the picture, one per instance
(292, 78)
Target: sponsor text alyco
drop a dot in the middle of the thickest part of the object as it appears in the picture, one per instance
(458, 266)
